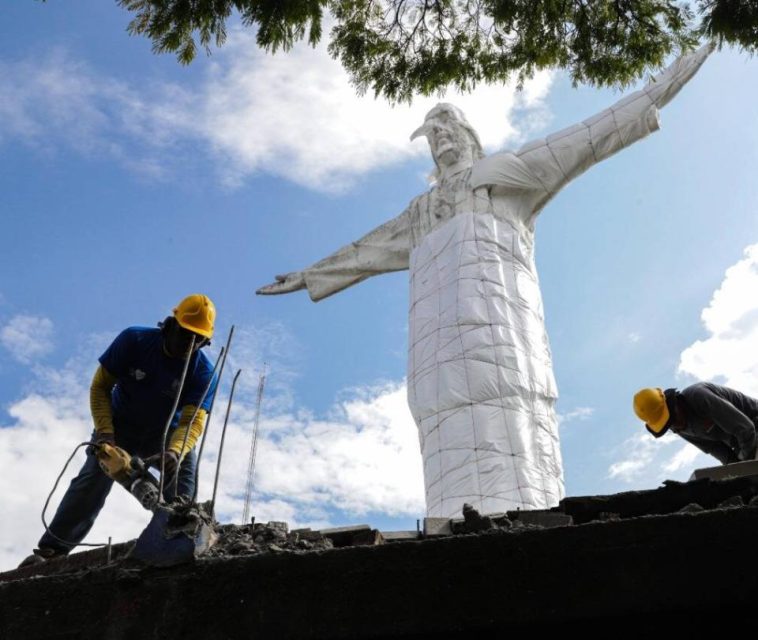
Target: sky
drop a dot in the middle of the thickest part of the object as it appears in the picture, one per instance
(128, 181)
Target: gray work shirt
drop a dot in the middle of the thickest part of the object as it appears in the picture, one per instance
(720, 421)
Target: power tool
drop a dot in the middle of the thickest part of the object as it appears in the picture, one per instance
(130, 472)
(178, 532)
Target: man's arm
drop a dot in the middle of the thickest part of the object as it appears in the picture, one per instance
(707, 403)
(719, 450)
(195, 403)
(562, 156)
(193, 420)
(100, 403)
(385, 249)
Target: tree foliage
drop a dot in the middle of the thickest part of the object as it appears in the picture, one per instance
(398, 48)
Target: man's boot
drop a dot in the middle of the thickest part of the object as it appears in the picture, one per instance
(43, 554)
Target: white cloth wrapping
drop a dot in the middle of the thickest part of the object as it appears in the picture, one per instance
(480, 377)
(480, 380)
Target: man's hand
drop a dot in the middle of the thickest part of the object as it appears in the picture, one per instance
(170, 464)
(284, 284)
(101, 439)
(105, 438)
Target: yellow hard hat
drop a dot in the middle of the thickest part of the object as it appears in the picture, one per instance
(196, 313)
(650, 407)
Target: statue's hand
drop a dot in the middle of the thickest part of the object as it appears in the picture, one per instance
(284, 284)
(663, 87)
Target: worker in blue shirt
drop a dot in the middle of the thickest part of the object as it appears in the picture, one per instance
(131, 395)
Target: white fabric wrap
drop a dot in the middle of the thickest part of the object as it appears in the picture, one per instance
(480, 379)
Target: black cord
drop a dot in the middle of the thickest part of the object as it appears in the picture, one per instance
(47, 502)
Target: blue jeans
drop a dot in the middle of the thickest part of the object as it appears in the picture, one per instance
(87, 492)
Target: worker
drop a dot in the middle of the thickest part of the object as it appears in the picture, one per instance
(718, 420)
(131, 396)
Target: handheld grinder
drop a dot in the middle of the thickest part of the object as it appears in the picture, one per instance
(130, 472)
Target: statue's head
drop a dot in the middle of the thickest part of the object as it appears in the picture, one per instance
(451, 138)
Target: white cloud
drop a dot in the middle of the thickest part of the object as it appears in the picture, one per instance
(359, 460)
(27, 338)
(298, 116)
(579, 413)
(363, 459)
(684, 458)
(53, 101)
(727, 355)
(644, 462)
(292, 115)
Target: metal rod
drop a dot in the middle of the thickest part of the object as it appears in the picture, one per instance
(223, 436)
(110, 550)
(173, 413)
(210, 412)
(253, 447)
(175, 479)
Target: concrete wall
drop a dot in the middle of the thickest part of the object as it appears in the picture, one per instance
(691, 571)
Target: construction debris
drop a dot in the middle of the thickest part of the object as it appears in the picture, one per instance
(474, 521)
(355, 536)
(400, 536)
(733, 502)
(179, 532)
(437, 527)
(544, 519)
(727, 471)
(272, 537)
(693, 507)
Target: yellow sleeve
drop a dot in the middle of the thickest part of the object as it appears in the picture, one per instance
(100, 400)
(195, 430)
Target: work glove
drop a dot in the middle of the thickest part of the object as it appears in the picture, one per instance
(170, 462)
(101, 438)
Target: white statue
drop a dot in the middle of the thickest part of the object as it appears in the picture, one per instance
(480, 378)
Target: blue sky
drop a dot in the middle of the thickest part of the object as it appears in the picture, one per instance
(128, 181)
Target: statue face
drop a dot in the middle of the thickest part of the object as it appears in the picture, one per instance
(454, 144)
(448, 140)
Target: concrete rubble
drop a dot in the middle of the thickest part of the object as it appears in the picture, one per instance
(589, 561)
(273, 537)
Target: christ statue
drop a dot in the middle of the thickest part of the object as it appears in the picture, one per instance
(480, 378)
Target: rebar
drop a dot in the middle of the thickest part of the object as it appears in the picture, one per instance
(175, 479)
(223, 437)
(173, 413)
(210, 412)
(253, 447)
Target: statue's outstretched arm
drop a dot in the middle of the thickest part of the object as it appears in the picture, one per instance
(562, 156)
(384, 249)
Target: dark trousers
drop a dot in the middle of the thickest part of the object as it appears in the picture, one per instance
(87, 492)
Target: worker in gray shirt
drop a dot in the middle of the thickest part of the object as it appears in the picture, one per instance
(717, 420)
